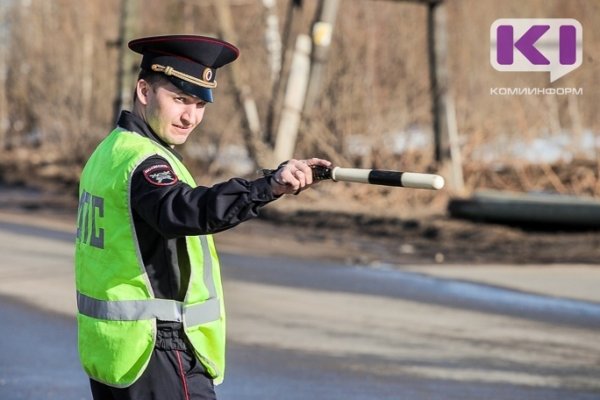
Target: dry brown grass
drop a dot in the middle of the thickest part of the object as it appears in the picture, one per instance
(60, 87)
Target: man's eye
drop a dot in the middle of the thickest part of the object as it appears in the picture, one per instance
(180, 99)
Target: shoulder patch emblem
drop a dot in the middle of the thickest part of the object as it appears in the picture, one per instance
(161, 175)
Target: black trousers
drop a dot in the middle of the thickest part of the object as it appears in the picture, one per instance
(173, 373)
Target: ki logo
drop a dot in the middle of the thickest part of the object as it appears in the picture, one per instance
(536, 44)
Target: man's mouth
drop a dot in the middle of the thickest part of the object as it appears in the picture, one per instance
(183, 128)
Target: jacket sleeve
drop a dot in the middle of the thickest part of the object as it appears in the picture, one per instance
(176, 209)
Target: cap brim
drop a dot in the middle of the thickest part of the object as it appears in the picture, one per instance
(197, 91)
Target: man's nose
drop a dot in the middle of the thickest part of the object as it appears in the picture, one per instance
(188, 115)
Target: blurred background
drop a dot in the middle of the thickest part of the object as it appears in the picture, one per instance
(347, 291)
(401, 85)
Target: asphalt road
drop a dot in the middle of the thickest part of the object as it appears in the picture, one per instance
(305, 329)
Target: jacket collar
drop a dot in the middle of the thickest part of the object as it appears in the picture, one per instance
(131, 122)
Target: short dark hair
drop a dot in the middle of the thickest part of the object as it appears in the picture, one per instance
(149, 76)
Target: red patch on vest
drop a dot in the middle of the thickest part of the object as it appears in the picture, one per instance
(161, 175)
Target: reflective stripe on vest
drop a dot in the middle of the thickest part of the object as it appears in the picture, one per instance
(162, 309)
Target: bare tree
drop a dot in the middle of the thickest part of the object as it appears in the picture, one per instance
(58, 72)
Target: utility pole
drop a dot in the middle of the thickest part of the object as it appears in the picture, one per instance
(3, 73)
(445, 128)
(322, 33)
(292, 19)
(438, 76)
(294, 100)
(125, 77)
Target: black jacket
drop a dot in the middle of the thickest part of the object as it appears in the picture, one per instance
(166, 210)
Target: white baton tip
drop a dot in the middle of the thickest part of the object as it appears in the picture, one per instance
(422, 181)
(437, 182)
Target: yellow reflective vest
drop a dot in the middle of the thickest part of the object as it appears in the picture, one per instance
(117, 310)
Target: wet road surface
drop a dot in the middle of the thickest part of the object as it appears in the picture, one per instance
(302, 329)
(40, 362)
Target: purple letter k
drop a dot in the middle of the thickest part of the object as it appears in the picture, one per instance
(525, 44)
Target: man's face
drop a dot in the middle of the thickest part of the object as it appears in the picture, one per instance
(171, 113)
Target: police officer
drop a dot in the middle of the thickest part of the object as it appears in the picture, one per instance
(150, 302)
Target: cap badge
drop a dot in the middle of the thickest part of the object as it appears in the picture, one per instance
(207, 74)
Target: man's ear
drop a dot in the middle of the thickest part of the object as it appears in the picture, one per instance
(142, 90)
